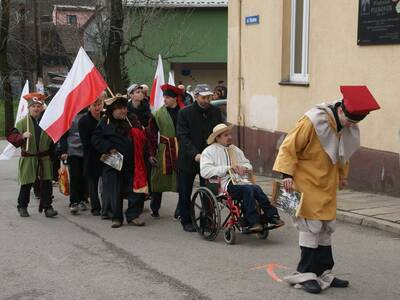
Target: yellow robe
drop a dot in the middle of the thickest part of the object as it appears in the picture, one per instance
(302, 156)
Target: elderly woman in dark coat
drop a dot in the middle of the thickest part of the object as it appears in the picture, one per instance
(92, 167)
(114, 134)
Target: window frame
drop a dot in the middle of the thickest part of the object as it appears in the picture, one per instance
(69, 18)
(302, 77)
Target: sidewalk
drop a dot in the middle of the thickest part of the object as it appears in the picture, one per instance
(371, 210)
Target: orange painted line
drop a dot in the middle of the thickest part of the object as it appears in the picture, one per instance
(271, 272)
(270, 269)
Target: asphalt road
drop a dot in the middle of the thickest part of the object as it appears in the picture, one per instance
(81, 257)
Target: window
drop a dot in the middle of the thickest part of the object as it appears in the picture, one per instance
(299, 40)
(71, 19)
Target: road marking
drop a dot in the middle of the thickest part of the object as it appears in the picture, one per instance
(270, 269)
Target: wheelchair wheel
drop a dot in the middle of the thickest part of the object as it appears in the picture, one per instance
(263, 234)
(230, 236)
(206, 214)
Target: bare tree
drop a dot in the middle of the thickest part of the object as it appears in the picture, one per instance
(136, 18)
(5, 86)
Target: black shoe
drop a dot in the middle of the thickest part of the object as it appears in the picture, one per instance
(155, 215)
(82, 206)
(188, 227)
(107, 216)
(276, 221)
(74, 208)
(339, 283)
(23, 212)
(311, 286)
(95, 213)
(116, 224)
(50, 212)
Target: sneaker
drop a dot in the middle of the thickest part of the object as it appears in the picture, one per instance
(95, 213)
(155, 215)
(73, 209)
(116, 224)
(50, 212)
(136, 222)
(82, 206)
(23, 212)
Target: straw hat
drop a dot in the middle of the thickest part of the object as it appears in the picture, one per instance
(217, 130)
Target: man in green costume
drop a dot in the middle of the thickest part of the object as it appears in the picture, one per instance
(163, 146)
(35, 159)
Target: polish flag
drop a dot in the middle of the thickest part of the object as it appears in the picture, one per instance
(22, 111)
(156, 95)
(82, 86)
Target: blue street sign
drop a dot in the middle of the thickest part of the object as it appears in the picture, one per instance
(252, 20)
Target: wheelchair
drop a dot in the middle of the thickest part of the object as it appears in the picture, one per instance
(209, 204)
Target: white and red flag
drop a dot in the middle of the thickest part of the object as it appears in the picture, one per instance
(82, 86)
(156, 95)
(10, 150)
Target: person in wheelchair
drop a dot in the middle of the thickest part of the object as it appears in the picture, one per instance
(224, 160)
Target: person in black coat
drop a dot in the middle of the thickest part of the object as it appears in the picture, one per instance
(195, 124)
(138, 104)
(112, 135)
(92, 167)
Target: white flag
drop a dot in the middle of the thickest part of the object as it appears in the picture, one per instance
(171, 78)
(22, 111)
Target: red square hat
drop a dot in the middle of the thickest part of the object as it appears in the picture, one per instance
(357, 101)
(170, 90)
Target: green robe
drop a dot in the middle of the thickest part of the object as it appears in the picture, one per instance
(28, 166)
(161, 182)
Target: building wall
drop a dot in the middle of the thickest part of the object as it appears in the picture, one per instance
(259, 55)
(190, 35)
(60, 16)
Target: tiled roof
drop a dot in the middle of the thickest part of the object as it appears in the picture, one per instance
(179, 3)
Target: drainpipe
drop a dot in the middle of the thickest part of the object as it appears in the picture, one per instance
(240, 79)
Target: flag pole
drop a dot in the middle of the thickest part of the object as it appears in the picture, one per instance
(27, 129)
(109, 90)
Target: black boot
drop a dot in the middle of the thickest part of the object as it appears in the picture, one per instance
(23, 212)
(311, 286)
(50, 212)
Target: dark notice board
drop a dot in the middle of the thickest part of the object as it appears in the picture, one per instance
(378, 22)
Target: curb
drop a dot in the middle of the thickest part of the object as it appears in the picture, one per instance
(366, 221)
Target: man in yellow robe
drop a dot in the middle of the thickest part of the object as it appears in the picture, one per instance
(314, 159)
